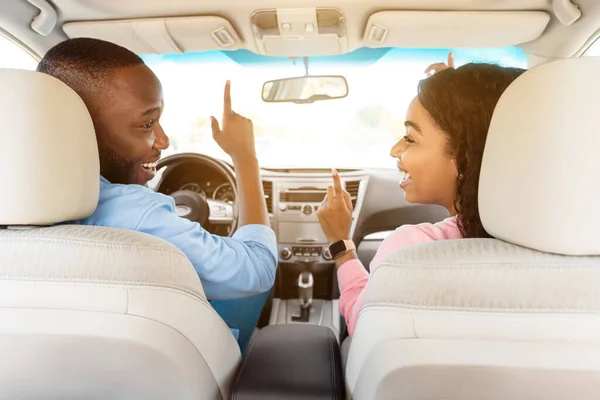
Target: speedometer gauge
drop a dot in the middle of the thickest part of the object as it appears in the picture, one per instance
(194, 187)
(224, 193)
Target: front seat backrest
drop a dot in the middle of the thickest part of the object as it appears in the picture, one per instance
(517, 317)
(540, 175)
(89, 312)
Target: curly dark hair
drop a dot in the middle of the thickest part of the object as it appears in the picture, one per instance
(461, 101)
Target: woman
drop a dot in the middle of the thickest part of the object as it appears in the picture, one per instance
(439, 160)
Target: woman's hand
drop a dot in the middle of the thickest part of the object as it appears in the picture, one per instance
(335, 212)
(433, 68)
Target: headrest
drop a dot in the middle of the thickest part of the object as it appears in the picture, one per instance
(49, 168)
(540, 176)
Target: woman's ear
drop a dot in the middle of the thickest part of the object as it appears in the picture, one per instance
(455, 169)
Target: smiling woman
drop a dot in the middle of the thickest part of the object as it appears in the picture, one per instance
(440, 159)
(352, 132)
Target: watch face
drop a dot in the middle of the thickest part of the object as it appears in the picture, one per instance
(337, 248)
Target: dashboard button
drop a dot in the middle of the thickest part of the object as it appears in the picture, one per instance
(286, 253)
(307, 209)
(282, 206)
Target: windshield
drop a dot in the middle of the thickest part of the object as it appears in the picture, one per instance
(354, 132)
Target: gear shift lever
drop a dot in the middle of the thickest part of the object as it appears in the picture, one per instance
(305, 296)
(305, 289)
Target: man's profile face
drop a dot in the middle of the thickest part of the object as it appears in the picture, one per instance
(126, 118)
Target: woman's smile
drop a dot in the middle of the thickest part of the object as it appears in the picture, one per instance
(406, 179)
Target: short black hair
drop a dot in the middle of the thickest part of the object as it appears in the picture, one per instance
(87, 65)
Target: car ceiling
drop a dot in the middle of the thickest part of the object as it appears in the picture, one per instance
(557, 40)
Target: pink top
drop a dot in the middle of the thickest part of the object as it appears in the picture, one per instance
(353, 277)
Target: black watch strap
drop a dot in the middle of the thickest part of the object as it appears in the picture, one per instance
(341, 247)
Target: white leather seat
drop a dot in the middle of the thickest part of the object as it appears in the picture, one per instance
(89, 312)
(517, 317)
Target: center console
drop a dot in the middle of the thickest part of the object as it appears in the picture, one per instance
(295, 203)
(306, 287)
(297, 354)
(300, 236)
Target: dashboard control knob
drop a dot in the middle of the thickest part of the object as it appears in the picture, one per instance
(286, 253)
(307, 209)
(282, 206)
(326, 254)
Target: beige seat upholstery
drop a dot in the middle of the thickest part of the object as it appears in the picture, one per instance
(89, 312)
(517, 317)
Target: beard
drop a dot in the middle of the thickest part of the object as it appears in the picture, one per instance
(115, 166)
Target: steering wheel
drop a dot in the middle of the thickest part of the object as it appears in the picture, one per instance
(196, 207)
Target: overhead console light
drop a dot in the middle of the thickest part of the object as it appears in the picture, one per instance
(453, 29)
(161, 35)
(300, 32)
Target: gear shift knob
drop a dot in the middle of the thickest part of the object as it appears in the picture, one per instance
(305, 289)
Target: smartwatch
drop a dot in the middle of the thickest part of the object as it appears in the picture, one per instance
(341, 247)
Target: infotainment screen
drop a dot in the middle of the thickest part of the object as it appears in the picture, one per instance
(303, 197)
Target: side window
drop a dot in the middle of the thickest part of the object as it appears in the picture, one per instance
(593, 50)
(13, 56)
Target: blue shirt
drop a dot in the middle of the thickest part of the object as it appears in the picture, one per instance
(239, 266)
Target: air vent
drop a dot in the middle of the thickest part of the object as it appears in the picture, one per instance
(352, 188)
(268, 189)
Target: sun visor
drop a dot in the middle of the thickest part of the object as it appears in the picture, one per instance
(161, 35)
(453, 29)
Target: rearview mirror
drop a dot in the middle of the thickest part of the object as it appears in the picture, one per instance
(305, 89)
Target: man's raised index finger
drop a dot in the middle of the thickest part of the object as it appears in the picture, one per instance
(227, 98)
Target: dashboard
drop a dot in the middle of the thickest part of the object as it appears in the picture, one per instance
(208, 189)
(293, 198)
(201, 178)
(208, 182)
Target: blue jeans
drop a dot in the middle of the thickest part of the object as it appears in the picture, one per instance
(242, 315)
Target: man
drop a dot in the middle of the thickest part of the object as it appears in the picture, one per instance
(125, 101)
